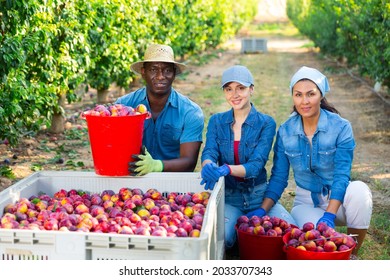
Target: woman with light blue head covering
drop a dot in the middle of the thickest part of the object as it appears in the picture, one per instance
(318, 145)
(313, 75)
(319, 79)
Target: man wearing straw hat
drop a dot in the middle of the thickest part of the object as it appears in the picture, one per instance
(173, 135)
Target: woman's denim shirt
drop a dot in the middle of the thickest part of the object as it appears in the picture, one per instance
(257, 134)
(323, 168)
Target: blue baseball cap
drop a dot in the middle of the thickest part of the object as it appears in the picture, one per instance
(313, 75)
(239, 74)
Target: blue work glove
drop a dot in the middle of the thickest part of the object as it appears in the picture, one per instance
(258, 212)
(224, 170)
(211, 173)
(209, 184)
(328, 218)
(144, 164)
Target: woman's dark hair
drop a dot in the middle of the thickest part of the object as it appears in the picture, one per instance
(327, 106)
(324, 105)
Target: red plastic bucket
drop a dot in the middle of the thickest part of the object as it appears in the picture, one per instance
(293, 253)
(260, 247)
(113, 141)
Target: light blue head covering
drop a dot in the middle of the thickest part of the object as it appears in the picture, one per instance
(311, 74)
(239, 74)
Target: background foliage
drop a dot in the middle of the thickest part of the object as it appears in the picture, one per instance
(50, 47)
(357, 30)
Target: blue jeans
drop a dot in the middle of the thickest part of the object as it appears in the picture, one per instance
(240, 202)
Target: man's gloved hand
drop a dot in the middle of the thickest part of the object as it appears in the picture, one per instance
(328, 218)
(258, 212)
(144, 164)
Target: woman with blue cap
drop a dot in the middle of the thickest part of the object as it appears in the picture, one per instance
(238, 143)
(318, 145)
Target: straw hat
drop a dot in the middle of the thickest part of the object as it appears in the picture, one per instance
(158, 53)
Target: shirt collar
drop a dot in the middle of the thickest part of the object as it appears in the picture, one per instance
(250, 120)
(172, 99)
(322, 122)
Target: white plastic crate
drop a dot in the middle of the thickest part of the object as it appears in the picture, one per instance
(253, 45)
(56, 245)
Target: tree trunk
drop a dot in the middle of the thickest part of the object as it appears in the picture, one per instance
(122, 91)
(102, 96)
(58, 119)
(57, 123)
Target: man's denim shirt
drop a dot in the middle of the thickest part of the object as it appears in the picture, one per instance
(257, 134)
(181, 121)
(325, 167)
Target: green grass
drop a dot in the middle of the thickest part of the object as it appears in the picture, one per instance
(6, 171)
